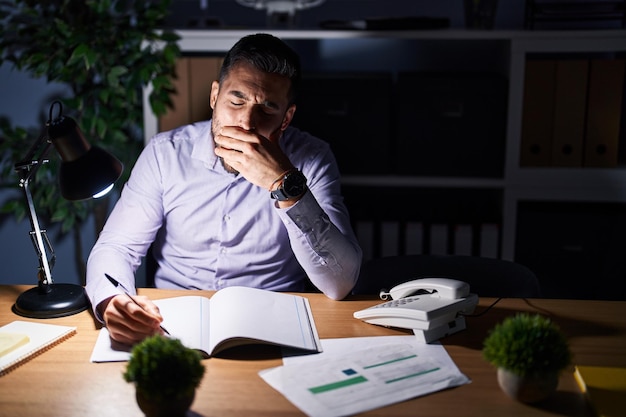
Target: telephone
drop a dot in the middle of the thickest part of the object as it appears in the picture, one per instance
(432, 307)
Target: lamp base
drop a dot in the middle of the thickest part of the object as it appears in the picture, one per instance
(62, 300)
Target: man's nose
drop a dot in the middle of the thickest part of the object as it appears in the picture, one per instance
(246, 120)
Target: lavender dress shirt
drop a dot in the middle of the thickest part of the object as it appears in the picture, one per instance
(212, 229)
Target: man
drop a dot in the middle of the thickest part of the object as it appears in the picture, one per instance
(242, 199)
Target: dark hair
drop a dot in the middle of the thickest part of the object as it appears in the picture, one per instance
(266, 53)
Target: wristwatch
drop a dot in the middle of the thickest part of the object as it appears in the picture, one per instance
(292, 185)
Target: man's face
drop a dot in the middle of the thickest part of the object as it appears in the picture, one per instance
(252, 100)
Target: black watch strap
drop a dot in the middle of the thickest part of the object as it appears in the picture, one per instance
(292, 185)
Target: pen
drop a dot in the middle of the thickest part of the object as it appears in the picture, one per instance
(116, 284)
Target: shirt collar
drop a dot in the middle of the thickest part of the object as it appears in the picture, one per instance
(203, 148)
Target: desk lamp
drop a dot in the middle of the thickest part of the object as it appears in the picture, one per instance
(85, 172)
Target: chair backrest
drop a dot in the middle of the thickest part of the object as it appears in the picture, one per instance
(487, 277)
(151, 266)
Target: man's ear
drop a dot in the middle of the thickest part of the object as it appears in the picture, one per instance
(288, 117)
(215, 89)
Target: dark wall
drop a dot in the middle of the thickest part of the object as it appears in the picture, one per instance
(231, 14)
(23, 99)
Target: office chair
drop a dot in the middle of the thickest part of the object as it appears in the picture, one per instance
(487, 277)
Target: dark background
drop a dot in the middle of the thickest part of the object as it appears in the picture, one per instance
(570, 240)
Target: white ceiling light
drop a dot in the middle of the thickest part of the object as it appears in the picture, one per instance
(281, 7)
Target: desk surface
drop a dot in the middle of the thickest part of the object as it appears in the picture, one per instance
(62, 381)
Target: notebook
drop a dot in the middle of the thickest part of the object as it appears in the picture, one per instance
(23, 340)
(605, 388)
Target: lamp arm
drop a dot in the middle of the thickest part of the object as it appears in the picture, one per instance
(27, 169)
(40, 242)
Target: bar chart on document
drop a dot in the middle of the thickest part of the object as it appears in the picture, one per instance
(361, 381)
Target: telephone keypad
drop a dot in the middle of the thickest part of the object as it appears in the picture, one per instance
(397, 303)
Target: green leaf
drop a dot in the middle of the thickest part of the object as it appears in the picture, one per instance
(82, 53)
(103, 62)
(101, 128)
(114, 74)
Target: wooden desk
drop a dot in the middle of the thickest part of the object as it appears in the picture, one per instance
(63, 383)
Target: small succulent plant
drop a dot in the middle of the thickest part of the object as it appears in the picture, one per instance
(527, 345)
(163, 367)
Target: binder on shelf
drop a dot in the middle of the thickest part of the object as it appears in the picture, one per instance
(178, 114)
(447, 121)
(463, 239)
(194, 76)
(438, 239)
(606, 84)
(537, 113)
(364, 231)
(202, 72)
(489, 240)
(336, 107)
(389, 238)
(414, 238)
(570, 102)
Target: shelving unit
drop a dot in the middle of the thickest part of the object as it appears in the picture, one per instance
(511, 47)
(553, 184)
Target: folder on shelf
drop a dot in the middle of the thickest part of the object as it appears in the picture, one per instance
(389, 231)
(604, 112)
(438, 239)
(570, 103)
(489, 240)
(193, 91)
(463, 236)
(202, 72)
(414, 238)
(605, 388)
(537, 112)
(178, 114)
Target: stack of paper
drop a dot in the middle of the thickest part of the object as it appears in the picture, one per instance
(354, 375)
(21, 341)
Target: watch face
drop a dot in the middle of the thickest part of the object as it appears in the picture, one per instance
(294, 184)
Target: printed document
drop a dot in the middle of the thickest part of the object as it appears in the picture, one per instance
(354, 375)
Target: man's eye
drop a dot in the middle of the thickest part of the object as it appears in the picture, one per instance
(236, 103)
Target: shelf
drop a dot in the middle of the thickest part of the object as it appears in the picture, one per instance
(222, 40)
(426, 182)
(569, 177)
(504, 52)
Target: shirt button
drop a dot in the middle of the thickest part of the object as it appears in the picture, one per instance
(223, 250)
(226, 217)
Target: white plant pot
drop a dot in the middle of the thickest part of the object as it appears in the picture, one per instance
(527, 389)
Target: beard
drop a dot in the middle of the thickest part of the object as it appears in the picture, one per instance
(227, 167)
(214, 127)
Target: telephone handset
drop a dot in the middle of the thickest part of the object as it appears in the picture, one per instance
(434, 306)
(445, 287)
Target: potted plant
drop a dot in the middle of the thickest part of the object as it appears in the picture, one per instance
(166, 374)
(530, 351)
(104, 53)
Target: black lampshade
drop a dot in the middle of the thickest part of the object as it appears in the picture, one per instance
(85, 170)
